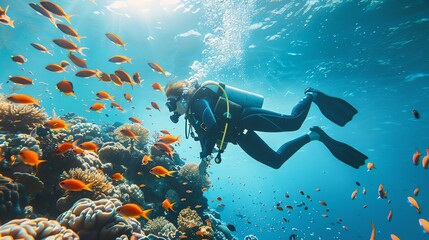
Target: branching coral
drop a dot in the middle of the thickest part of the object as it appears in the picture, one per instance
(161, 227)
(39, 228)
(191, 174)
(141, 132)
(101, 187)
(12, 199)
(20, 118)
(98, 220)
(187, 219)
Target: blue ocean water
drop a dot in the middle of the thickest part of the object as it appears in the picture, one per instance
(372, 53)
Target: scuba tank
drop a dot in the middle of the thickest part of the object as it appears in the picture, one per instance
(236, 95)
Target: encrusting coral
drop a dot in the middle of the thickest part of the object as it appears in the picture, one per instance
(98, 220)
(116, 154)
(141, 132)
(20, 118)
(188, 219)
(191, 174)
(161, 227)
(129, 193)
(31, 182)
(39, 228)
(12, 199)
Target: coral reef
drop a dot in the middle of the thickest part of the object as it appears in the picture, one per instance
(73, 119)
(172, 195)
(20, 118)
(17, 142)
(102, 188)
(206, 232)
(92, 160)
(98, 220)
(141, 132)
(12, 199)
(116, 154)
(188, 219)
(129, 193)
(39, 228)
(85, 131)
(191, 174)
(161, 227)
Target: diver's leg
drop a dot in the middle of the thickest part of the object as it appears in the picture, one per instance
(258, 119)
(253, 145)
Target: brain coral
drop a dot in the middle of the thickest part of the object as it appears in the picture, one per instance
(98, 220)
(190, 173)
(138, 130)
(187, 219)
(161, 227)
(39, 228)
(20, 118)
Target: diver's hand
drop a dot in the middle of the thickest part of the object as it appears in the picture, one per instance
(205, 162)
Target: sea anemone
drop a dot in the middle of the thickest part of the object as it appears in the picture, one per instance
(20, 118)
(141, 132)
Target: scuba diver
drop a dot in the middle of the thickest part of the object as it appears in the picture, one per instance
(222, 114)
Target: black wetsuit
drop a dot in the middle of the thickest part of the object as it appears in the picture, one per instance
(241, 129)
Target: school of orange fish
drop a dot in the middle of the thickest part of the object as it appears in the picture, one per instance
(119, 78)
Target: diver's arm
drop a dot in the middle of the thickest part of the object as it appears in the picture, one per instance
(208, 141)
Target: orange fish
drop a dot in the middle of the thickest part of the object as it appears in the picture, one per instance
(68, 45)
(183, 237)
(129, 133)
(157, 68)
(89, 146)
(136, 78)
(289, 207)
(97, 107)
(135, 120)
(279, 208)
(188, 191)
(31, 158)
(134, 211)
(414, 203)
(55, 68)
(394, 237)
(165, 132)
(183, 199)
(198, 206)
(4, 19)
(23, 99)
(416, 191)
(116, 80)
(157, 86)
(155, 105)
(425, 161)
(160, 171)
(56, 9)
(416, 157)
(128, 97)
(219, 198)
(142, 185)
(77, 60)
(69, 31)
(57, 124)
(86, 73)
(78, 150)
(115, 39)
(381, 193)
(169, 139)
(166, 204)
(354, 193)
(104, 95)
(116, 105)
(146, 159)
(66, 87)
(424, 224)
(21, 80)
(118, 59)
(164, 147)
(64, 63)
(75, 185)
(1, 155)
(65, 147)
(41, 48)
(389, 216)
(118, 176)
(372, 232)
(323, 203)
(102, 76)
(124, 76)
(204, 189)
(19, 59)
(370, 166)
(43, 12)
